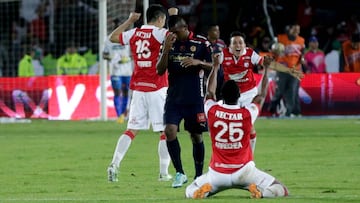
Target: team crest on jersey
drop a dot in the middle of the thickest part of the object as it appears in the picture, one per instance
(246, 64)
(201, 117)
(193, 48)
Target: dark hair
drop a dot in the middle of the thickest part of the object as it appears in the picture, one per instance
(237, 34)
(210, 26)
(175, 19)
(230, 92)
(355, 37)
(154, 12)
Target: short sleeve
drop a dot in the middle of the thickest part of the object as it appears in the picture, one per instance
(208, 104)
(254, 110)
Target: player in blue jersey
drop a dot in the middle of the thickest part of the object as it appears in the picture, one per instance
(185, 56)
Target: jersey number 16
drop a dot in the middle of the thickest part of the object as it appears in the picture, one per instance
(142, 49)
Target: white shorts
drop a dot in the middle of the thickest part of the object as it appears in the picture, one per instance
(147, 108)
(247, 97)
(240, 179)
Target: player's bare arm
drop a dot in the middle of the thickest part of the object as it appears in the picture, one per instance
(290, 70)
(164, 57)
(260, 98)
(212, 80)
(281, 68)
(133, 17)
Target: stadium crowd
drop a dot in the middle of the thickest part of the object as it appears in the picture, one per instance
(49, 25)
(34, 48)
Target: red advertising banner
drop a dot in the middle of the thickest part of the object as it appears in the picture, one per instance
(325, 94)
(78, 97)
(54, 97)
(24, 97)
(331, 94)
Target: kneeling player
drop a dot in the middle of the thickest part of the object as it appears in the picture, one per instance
(232, 164)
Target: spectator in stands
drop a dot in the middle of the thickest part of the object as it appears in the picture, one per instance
(38, 28)
(288, 86)
(314, 57)
(4, 58)
(351, 54)
(25, 67)
(28, 9)
(18, 37)
(75, 14)
(71, 63)
(305, 16)
(38, 56)
(263, 49)
(332, 59)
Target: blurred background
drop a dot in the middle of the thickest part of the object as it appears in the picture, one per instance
(48, 25)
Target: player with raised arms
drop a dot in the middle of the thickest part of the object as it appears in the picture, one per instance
(231, 164)
(149, 88)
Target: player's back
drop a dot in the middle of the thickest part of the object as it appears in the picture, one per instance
(145, 44)
(230, 128)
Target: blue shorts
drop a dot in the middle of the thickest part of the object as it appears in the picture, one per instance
(120, 82)
(193, 115)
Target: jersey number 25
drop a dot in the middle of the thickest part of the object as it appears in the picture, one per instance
(233, 129)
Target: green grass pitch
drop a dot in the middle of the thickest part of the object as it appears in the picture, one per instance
(66, 161)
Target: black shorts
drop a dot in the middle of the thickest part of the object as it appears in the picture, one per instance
(193, 115)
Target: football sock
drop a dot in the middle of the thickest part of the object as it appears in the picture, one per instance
(198, 155)
(275, 190)
(164, 156)
(117, 105)
(174, 152)
(253, 141)
(122, 146)
(124, 101)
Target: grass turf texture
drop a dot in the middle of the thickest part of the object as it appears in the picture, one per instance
(66, 161)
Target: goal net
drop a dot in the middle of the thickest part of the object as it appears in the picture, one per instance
(48, 27)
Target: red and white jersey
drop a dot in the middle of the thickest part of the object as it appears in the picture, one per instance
(145, 44)
(229, 128)
(241, 70)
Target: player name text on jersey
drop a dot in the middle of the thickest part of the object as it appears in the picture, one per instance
(232, 145)
(144, 35)
(228, 116)
(144, 64)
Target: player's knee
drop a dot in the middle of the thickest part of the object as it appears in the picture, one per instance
(170, 133)
(275, 190)
(196, 138)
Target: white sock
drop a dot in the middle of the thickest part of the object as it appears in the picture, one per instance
(122, 146)
(252, 144)
(164, 157)
(275, 190)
